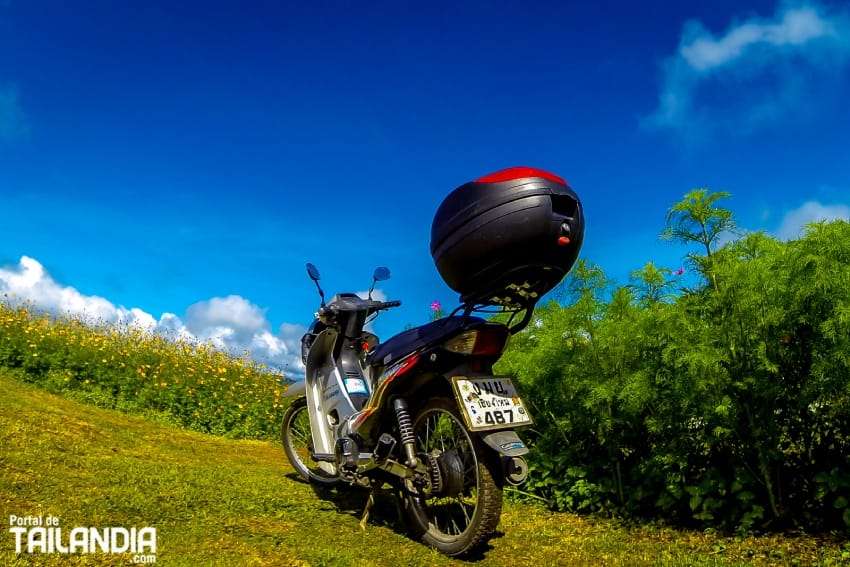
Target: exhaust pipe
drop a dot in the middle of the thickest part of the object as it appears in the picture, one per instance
(516, 470)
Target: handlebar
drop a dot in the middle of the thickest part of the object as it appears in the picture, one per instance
(331, 311)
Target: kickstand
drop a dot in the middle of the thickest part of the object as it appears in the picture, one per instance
(369, 503)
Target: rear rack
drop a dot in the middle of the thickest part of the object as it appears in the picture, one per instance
(527, 310)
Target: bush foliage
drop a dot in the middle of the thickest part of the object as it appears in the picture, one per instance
(191, 385)
(725, 403)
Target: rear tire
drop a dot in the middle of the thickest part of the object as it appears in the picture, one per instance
(465, 515)
(298, 445)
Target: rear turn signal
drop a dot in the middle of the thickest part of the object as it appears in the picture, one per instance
(479, 342)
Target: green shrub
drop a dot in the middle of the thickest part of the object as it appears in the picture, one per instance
(192, 385)
(725, 404)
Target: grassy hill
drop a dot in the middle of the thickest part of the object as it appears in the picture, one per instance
(216, 501)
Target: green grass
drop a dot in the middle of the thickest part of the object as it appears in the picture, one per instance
(216, 501)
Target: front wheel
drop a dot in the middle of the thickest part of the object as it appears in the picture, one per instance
(298, 445)
(462, 510)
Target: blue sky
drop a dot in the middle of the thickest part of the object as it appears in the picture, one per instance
(177, 163)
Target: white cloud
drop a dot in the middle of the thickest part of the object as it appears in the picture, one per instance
(794, 27)
(232, 312)
(29, 281)
(794, 222)
(13, 121)
(751, 74)
(230, 323)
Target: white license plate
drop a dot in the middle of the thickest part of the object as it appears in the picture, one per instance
(490, 403)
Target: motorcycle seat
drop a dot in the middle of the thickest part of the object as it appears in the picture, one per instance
(408, 341)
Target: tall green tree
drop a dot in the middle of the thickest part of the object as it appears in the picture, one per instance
(696, 220)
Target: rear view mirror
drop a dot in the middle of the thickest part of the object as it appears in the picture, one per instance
(313, 272)
(382, 274)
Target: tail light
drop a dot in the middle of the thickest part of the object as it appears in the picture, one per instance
(484, 341)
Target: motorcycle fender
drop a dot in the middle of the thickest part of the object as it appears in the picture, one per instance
(295, 390)
(505, 442)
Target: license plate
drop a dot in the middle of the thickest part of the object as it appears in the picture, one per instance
(490, 403)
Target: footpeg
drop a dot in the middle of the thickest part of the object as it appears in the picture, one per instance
(323, 457)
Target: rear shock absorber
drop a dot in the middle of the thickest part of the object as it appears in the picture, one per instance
(405, 431)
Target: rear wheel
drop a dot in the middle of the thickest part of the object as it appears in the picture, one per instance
(298, 445)
(462, 510)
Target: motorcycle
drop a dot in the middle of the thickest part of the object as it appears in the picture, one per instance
(422, 412)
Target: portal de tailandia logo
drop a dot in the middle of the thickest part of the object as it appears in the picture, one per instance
(44, 535)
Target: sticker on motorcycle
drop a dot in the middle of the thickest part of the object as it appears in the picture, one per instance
(490, 403)
(355, 386)
(513, 446)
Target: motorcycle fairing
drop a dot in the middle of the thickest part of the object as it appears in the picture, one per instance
(326, 392)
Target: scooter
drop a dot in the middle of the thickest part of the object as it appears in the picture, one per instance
(423, 412)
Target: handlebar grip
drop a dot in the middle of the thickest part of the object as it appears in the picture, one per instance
(388, 304)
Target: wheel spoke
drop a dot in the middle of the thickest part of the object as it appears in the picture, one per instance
(439, 431)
